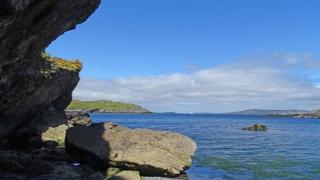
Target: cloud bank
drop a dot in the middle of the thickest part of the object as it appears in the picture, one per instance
(277, 81)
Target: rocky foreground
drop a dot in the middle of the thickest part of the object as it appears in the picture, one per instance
(37, 139)
(98, 152)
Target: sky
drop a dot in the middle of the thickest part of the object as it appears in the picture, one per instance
(199, 55)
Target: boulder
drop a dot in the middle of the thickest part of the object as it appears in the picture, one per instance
(152, 153)
(256, 127)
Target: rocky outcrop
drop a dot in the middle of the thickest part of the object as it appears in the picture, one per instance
(78, 118)
(152, 153)
(256, 127)
(31, 84)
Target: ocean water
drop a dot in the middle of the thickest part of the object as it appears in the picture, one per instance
(290, 149)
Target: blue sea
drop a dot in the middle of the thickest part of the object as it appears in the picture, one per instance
(290, 149)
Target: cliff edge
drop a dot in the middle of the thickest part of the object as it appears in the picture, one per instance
(30, 83)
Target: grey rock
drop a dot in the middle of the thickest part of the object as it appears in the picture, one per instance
(16, 5)
(256, 127)
(152, 153)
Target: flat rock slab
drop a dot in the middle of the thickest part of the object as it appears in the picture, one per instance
(152, 153)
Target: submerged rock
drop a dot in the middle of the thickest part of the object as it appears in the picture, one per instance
(152, 153)
(256, 127)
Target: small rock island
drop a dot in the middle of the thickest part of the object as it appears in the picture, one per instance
(256, 127)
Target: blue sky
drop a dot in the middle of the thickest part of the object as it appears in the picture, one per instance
(147, 39)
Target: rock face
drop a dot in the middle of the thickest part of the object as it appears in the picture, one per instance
(30, 83)
(152, 153)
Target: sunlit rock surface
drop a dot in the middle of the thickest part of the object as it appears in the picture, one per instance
(152, 153)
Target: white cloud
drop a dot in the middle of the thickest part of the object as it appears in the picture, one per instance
(278, 81)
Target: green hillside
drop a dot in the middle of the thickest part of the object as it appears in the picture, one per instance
(104, 106)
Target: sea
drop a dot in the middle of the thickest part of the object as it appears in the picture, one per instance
(290, 149)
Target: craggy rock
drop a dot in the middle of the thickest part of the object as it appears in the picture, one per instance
(78, 118)
(30, 83)
(152, 153)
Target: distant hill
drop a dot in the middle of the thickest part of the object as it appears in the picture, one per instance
(104, 106)
(263, 112)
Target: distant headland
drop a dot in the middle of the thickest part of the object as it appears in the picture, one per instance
(106, 106)
(280, 113)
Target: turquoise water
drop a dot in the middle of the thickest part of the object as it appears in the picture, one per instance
(290, 149)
